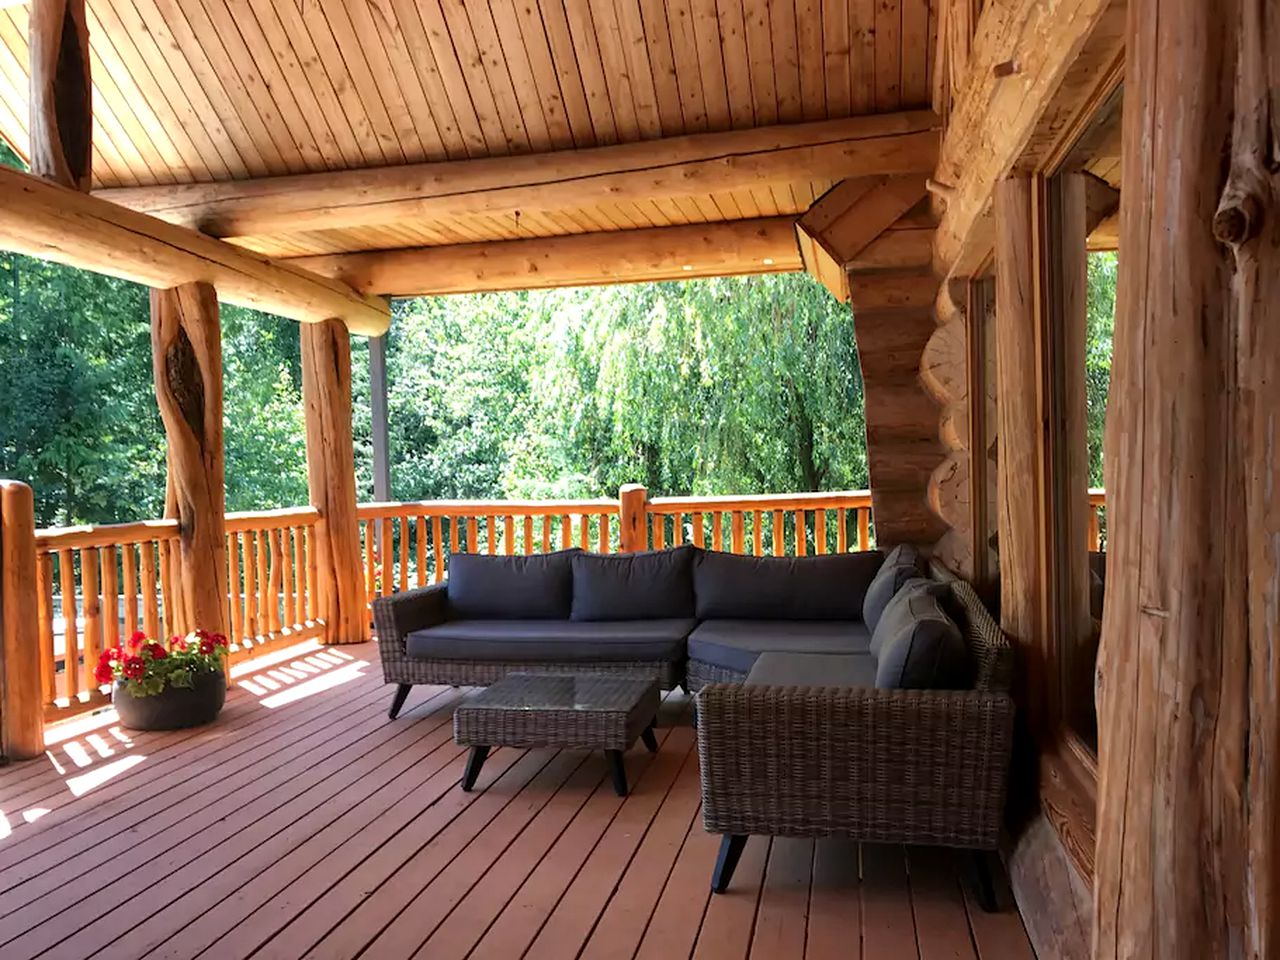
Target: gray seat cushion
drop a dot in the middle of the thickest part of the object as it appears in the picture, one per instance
(829, 587)
(652, 585)
(901, 564)
(735, 644)
(897, 611)
(531, 641)
(813, 670)
(536, 587)
(917, 646)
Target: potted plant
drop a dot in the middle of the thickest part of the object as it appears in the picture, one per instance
(164, 688)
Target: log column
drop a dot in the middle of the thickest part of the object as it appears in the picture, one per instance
(331, 478)
(186, 347)
(61, 96)
(21, 704)
(1188, 856)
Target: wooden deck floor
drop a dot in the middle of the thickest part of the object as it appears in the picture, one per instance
(305, 824)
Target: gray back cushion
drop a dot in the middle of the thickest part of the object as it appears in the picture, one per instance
(653, 585)
(831, 587)
(917, 646)
(901, 564)
(537, 587)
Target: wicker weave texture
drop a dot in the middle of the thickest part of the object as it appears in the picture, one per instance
(900, 766)
(530, 710)
(701, 673)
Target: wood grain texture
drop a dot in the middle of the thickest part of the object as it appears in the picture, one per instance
(1189, 666)
(186, 350)
(21, 686)
(61, 95)
(326, 394)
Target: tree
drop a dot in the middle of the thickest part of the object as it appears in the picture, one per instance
(1103, 273)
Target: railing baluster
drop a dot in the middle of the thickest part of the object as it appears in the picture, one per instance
(677, 530)
(150, 601)
(546, 533)
(70, 628)
(453, 534)
(276, 580)
(698, 537)
(659, 532)
(820, 531)
(842, 531)
(167, 601)
(802, 546)
(402, 580)
(110, 598)
(90, 586)
(566, 532)
(420, 553)
(717, 540)
(1094, 533)
(528, 534)
(604, 533)
(251, 626)
(386, 545)
(779, 531)
(491, 534)
(757, 533)
(290, 616)
(299, 575)
(44, 623)
(312, 574)
(864, 528)
(234, 621)
(584, 532)
(473, 534)
(437, 547)
(265, 615)
(129, 567)
(508, 535)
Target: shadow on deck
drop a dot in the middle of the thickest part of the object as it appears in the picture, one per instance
(305, 823)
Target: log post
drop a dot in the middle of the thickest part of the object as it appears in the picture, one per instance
(1188, 854)
(21, 706)
(186, 348)
(632, 529)
(331, 479)
(61, 96)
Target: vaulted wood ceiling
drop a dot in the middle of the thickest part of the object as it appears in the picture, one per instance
(215, 90)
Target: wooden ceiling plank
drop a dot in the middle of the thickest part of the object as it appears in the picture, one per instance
(477, 120)
(711, 68)
(252, 55)
(764, 86)
(746, 202)
(622, 257)
(662, 63)
(383, 76)
(994, 119)
(915, 52)
(693, 103)
(187, 106)
(221, 85)
(837, 60)
(862, 39)
(573, 77)
(809, 42)
(737, 63)
(639, 67)
(455, 121)
(450, 35)
(786, 60)
(46, 220)
(350, 122)
(510, 78)
(527, 30)
(603, 19)
(888, 54)
(234, 65)
(890, 143)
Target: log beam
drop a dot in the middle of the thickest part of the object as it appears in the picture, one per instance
(21, 706)
(1188, 854)
(61, 97)
(659, 253)
(998, 119)
(331, 479)
(186, 348)
(43, 219)
(671, 167)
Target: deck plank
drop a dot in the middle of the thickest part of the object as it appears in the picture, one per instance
(305, 823)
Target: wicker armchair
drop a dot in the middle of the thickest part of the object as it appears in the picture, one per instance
(888, 766)
(398, 615)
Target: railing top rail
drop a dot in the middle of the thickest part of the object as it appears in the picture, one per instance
(52, 539)
(483, 508)
(1098, 496)
(244, 520)
(763, 501)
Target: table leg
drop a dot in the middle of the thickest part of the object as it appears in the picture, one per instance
(617, 771)
(474, 762)
(650, 740)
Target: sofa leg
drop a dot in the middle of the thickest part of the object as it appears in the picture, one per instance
(731, 846)
(397, 701)
(475, 760)
(984, 883)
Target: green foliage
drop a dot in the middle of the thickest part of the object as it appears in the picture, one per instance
(1103, 273)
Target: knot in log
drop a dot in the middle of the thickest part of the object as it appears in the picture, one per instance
(1239, 218)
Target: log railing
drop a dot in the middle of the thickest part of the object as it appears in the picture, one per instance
(98, 584)
(1097, 519)
(409, 544)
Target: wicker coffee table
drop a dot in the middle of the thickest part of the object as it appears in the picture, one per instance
(584, 710)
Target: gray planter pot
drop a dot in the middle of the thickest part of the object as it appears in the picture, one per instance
(174, 707)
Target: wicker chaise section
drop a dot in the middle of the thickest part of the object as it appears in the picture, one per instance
(396, 616)
(889, 766)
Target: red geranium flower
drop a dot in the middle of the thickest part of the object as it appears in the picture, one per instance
(156, 651)
(175, 641)
(113, 653)
(104, 672)
(219, 640)
(206, 647)
(137, 640)
(134, 668)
